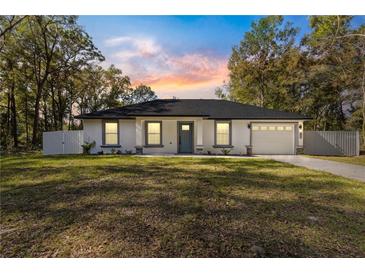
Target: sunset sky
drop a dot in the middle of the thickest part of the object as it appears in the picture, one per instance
(182, 56)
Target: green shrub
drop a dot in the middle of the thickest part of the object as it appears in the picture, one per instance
(87, 147)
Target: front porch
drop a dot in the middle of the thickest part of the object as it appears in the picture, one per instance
(170, 136)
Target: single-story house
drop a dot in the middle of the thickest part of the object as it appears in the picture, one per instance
(204, 126)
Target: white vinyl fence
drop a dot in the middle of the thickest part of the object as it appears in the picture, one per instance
(63, 142)
(341, 143)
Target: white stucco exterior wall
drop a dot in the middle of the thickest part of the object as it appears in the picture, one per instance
(93, 132)
(169, 138)
(132, 134)
(240, 136)
(127, 135)
(169, 133)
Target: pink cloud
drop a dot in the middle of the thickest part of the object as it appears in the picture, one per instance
(144, 60)
(191, 69)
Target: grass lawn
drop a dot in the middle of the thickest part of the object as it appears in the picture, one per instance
(356, 160)
(127, 206)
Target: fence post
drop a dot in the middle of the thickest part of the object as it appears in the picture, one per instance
(357, 143)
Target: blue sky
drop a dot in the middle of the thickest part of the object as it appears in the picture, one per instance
(182, 56)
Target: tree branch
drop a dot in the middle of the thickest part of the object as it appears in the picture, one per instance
(12, 25)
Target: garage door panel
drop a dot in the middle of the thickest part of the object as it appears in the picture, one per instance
(273, 138)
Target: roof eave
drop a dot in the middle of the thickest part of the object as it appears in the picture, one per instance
(187, 115)
(134, 116)
(83, 117)
(261, 118)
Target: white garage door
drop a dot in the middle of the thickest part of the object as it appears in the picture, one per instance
(272, 138)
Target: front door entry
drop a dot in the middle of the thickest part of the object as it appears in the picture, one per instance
(185, 137)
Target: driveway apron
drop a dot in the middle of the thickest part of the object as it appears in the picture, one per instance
(356, 172)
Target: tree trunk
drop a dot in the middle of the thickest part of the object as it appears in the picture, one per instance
(36, 116)
(363, 106)
(13, 116)
(69, 118)
(26, 119)
(8, 116)
(45, 113)
(41, 78)
(60, 110)
(54, 114)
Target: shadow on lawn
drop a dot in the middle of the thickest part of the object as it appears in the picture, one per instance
(166, 210)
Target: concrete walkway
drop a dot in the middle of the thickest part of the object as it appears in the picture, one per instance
(356, 172)
(197, 156)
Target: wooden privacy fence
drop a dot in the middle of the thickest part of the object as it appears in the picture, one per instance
(341, 143)
(63, 142)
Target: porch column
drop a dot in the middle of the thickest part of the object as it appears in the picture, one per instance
(139, 126)
(300, 134)
(199, 136)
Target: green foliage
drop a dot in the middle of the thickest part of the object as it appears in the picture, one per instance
(50, 72)
(87, 146)
(226, 151)
(141, 94)
(107, 88)
(257, 75)
(323, 76)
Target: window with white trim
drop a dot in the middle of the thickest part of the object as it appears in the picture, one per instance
(223, 132)
(153, 133)
(111, 133)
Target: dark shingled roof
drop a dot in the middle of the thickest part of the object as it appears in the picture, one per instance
(209, 108)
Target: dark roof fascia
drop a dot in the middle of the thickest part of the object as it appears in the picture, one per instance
(262, 118)
(169, 115)
(103, 117)
(204, 116)
(134, 116)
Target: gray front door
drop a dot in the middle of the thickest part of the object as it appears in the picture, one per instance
(185, 137)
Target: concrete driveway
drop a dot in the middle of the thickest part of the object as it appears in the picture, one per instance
(356, 172)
